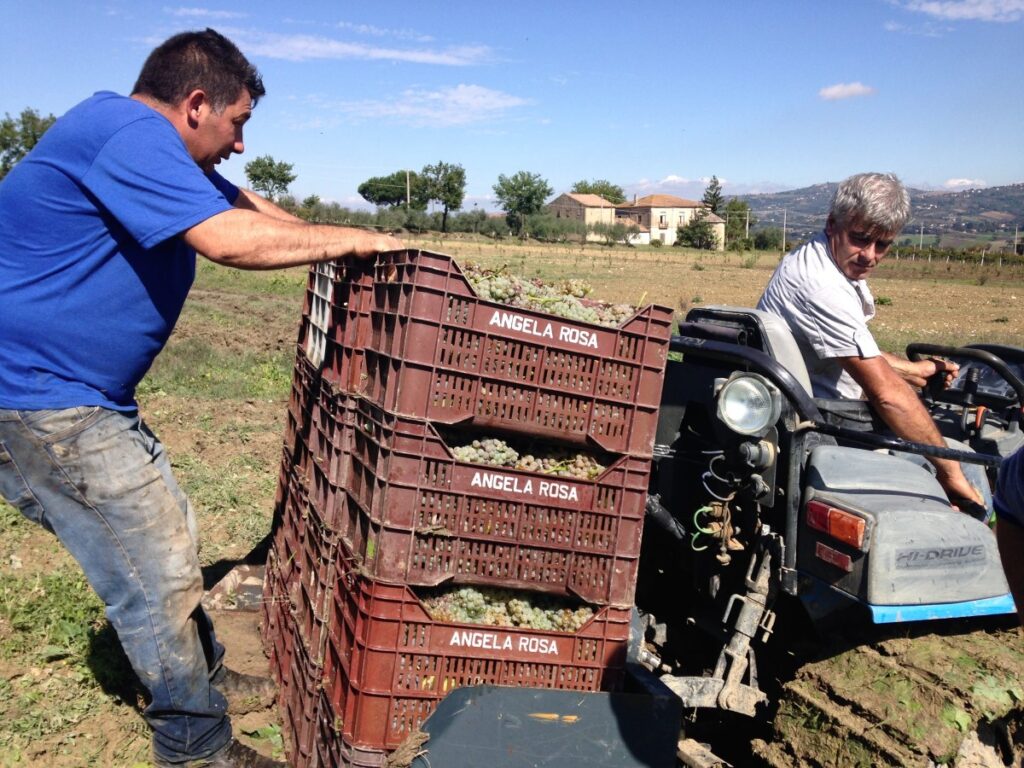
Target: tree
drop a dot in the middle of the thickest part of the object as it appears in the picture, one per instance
(269, 176)
(713, 195)
(444, 183)
(738, 220)
(697, 232)
(768, 239)
(611, 192)
(521, 195)
(393, 190)
(18, 135)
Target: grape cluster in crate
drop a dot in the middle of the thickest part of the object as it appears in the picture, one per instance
(461, 497)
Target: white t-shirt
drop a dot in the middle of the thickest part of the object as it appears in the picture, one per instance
(826, 311)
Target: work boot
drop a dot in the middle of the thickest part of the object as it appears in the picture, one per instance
(245, 693)
(234, 755)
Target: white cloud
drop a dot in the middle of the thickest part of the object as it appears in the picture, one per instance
(969, 10)
(963, 184)
(456, 105)
(845, 91)
(369, 29)
(673, 179)
(205, 13)
(927, 29)
(306, 47)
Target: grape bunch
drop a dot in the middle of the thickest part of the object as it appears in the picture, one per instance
(487, 451)
(496, 607)
(550, 460)
(563, 463)
(567, 298)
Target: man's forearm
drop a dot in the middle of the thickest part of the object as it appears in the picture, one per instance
(250, 240)
(899, 407)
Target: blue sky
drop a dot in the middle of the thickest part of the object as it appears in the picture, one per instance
(655, 97)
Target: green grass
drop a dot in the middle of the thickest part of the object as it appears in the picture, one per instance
(289, 282)
(193, 368)
(72, 664)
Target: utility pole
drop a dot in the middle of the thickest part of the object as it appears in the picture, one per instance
(408, 190)
(920, 238)
(783, 230)
(746, 228)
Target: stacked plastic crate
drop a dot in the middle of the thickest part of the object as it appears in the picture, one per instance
(373, 507)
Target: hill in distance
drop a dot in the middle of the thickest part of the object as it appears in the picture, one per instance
(972, 214)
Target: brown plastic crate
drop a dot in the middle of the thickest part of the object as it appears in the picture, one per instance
(275, 618)
(302, 553)
(388, 663)
(329, 446)
(331, 748)
(436, 351)
(335, 314)
(419, 516)
(298, 699)
(311, 592)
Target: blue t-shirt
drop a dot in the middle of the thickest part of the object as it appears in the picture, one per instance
(92, 273)
(1009, 495)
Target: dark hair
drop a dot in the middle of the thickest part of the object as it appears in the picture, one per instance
(192, 60)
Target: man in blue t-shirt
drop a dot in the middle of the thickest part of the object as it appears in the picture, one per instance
(99, 229)
(1009, 502)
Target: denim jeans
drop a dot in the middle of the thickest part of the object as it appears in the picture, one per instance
(100, 481)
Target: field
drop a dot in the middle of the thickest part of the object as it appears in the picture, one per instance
(217, 398)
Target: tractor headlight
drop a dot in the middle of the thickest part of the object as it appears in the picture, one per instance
(748, 404)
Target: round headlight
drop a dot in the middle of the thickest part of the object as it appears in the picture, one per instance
(748, 404)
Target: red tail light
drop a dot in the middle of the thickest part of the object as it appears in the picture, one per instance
(838, 523)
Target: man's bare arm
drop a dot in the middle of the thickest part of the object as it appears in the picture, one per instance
(899, 407)
(251, 240)
(917, 373)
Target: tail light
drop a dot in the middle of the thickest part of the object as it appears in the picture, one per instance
(838, 523)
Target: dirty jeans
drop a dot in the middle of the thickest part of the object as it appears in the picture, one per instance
(100, 481)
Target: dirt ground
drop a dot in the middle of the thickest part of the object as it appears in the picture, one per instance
(226, 451)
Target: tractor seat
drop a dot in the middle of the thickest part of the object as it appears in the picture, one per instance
(753, 328)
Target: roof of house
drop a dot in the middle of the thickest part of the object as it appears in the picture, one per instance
(588, 200)
(713, 218)
(662, 201)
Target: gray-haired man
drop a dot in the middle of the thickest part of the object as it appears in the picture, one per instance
(820, 290)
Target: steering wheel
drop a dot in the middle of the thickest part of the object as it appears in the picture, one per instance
(966, 390)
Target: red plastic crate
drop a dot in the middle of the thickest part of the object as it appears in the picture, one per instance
(332, 750)
(275, 617)
(329, 446)
(302, 551)
(298, 699)
(419, 516)
(388, 663)
(335, 314)
(436, 351)
(310, 593)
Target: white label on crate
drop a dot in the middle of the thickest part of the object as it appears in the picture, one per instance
(512, 484)
(468, 638)
(529, 325)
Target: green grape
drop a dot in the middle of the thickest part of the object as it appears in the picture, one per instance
(497, 607)
(566, 299)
